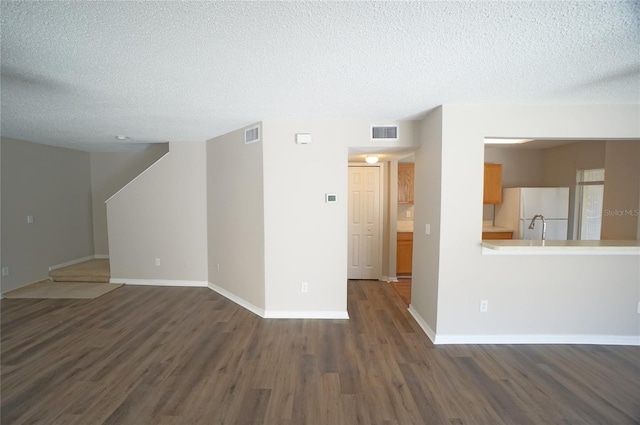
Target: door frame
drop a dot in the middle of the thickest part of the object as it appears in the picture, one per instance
(381, 173)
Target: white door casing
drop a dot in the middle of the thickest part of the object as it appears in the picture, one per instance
(364, 223)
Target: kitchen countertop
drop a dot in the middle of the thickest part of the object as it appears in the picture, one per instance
(538, 247)
(495, 229)
(405, 226)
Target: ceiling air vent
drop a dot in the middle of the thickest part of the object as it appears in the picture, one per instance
(252, 135)
(384, 132)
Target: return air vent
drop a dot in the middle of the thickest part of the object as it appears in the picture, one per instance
(252, 135)
(384, 132)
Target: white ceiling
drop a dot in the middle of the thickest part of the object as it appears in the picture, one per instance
(77, 74)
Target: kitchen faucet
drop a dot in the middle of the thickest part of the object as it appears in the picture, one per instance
(544, 224)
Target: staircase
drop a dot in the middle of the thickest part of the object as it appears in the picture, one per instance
(89, 271)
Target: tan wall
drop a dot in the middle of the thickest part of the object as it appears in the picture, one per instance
(162, 214)
(110, 172)
(520, 167)
(528, 295)
(306, 238)
(428, 195)
(621, 190)
(560, 165)
(54, 186)
(235, 214)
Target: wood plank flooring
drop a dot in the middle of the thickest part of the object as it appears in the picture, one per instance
(403, 288)
(179, 356)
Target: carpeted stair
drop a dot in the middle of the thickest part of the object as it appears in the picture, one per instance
(89, 271)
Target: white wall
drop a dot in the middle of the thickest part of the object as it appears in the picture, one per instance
(528, 296)
(111, 171)
(162, 214)
(621, 190)
(235, 214)
(54, 186)
(305, 238)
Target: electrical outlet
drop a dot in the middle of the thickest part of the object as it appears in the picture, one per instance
(638, 301)
(5, 273)
(29, 219)
(157, 261)
(407, 214)
(304, 287)
(218, 267)
(484, 306)
(427, 229)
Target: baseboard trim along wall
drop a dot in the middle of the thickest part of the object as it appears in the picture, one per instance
(236, 299)
(388, 279)
(523, 339)
(78, 260)
(161, 282)
(539, 339)
(423, 324)
(278, 314)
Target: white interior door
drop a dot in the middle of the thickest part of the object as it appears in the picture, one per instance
(364, 223)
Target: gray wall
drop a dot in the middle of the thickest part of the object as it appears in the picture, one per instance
(531, 297)
(54, 186)
(110, 172)
(162, 214)
(235, 214)
(621, 190)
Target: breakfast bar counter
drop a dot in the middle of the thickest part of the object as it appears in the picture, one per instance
(538, 247)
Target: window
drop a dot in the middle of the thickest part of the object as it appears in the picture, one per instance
(589, 196)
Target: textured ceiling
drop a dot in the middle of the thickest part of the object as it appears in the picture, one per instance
(77, 74)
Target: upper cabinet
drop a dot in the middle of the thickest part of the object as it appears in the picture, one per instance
(405, 183)
(492, 183)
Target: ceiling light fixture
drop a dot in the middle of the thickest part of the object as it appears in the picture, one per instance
(491, 141)
(371, 159)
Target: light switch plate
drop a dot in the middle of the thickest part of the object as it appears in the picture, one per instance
(427, 229)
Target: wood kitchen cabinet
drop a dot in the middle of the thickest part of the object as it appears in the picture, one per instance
(404, 254)
(405, 183)
(492, 184)
(496, 235)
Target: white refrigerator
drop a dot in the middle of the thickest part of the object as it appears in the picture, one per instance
(520, 204)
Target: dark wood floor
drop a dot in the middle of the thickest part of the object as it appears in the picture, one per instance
(159, 355)
(403, 288)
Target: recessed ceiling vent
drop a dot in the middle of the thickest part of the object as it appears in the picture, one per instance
(384, 132)
(252, 134)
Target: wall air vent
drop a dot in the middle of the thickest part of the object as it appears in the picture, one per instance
(252, 134)
(384, 132)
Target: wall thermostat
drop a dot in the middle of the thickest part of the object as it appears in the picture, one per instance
(331, 198)
(303, 138)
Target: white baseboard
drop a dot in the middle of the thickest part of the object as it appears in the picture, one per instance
(423, 324)
(236, 299)
(78, 260)
(101, 256)
(388, 279)
(523, 339)
(539, 339)
(279, 314)
(161, 282)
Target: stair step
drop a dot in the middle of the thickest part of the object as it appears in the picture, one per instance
(97, 270)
